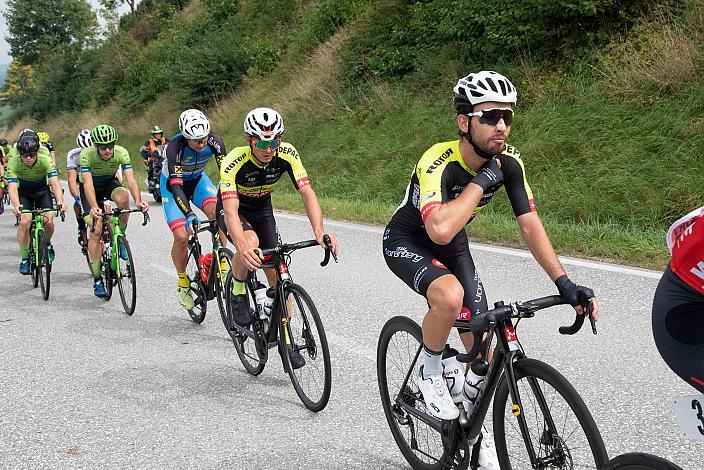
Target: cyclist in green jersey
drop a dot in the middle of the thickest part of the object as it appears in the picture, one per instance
(28, 169)
(99, 166)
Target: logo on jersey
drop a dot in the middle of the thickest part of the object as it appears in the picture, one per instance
(433, 166)
(178, 169)
(402, 252)
(426, 197)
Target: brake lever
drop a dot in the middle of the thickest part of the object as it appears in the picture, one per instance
(328, 251)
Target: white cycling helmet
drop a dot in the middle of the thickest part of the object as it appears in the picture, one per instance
(481, 87)
(263, 124)
(193, 124)
(83, 139)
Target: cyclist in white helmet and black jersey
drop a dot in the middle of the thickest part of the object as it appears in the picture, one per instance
(425, 243)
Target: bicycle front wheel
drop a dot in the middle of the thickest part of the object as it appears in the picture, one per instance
(640, 461)
(126, 276)
(43, 265)
(397, 358)
(33, 260)
(561, 431)
(106, 271)
(200, 299)
(305, 349)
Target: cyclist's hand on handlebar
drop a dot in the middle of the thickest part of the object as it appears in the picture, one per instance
(143, 206)
(96, 212)
(251, 257)
(191, 223)
(62, 208)
(333, 241)
(17, 210)
(569, 290)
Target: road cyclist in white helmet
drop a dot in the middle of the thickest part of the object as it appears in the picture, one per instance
(184, 180)
(425, 243)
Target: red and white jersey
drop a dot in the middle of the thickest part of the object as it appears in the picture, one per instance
(685, 239)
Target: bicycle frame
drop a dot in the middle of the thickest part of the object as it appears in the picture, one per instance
(111, 219)
(210, 226)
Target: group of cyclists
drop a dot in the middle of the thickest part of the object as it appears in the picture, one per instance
(424, 244)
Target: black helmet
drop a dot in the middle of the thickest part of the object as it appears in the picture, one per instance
(3, 142)
(28, 144)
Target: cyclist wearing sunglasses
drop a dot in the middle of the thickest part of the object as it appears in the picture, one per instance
(183, 179)
(28, 171)
(678, 306)
(425, 243)
(100, 164)
(248, 176)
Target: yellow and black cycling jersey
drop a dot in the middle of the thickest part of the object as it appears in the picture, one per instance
(441, 175)
(243, 177)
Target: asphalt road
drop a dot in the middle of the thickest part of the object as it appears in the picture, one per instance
(82, 385)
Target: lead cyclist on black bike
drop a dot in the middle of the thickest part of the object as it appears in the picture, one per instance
(425, 244)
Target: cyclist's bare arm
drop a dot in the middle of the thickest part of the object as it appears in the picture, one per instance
(71, 175)
(446, 220)
(128, 174)
(315, 216)
(58, 192)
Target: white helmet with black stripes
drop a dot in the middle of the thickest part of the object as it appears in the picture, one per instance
(482, 87)
(83, 139)
(193, 124)
(263, 124)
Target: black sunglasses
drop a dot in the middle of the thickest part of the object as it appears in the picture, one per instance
(103, 148)
(492, 116)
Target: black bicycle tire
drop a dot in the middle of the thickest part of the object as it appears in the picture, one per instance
(84, 250)
(312, 311)
(33, 268)
(128, 306)
(200, 308)
(527, 367)
(218, 286)
(391, 327)
(252, 368)
(640, 461)
(44, 267)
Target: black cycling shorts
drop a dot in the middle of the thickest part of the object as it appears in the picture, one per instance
(678, 328)
(259, 218)
(418, 261)
(35, 198)
(102, 193)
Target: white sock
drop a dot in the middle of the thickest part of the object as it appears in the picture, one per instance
(432, 362)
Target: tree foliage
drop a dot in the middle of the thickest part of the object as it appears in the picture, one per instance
(36, 27)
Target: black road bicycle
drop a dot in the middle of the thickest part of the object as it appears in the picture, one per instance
(293, 326)
(539, 420)
(640, 461)
(207, 282)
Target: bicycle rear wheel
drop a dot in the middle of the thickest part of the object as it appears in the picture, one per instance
(44, 265)
(640, 461)
(252, 352)
(303, 333)
(397, 353)
(126, 276)
(561, 430)
(200, 298)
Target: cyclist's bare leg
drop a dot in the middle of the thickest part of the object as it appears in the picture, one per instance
(94, 238)
(23, 229)
(49, 225)
(121, 197)
(210, 214)
(179, 249)
(445, 295)
(239, 270)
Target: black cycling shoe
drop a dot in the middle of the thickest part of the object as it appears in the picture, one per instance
(297, 359)
(240, 310)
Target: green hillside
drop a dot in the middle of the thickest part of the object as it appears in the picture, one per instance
(607, 120)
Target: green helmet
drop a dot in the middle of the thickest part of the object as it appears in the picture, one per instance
(103, 134)
(156, 130)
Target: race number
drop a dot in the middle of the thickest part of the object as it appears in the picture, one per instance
(690, 416)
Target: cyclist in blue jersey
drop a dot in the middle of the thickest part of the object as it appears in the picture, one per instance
(183, 179)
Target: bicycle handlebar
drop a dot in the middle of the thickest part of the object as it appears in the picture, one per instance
(286, 248)
(480, 323)
(41, 211)
(117, 211)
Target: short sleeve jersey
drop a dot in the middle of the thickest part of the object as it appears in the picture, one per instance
(441, 175)
(30, 177)
(103, 171)
(243, 177)
(73, 159)
(685, 239)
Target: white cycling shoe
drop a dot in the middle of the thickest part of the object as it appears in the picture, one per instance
(487, 452)
(437, 397)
